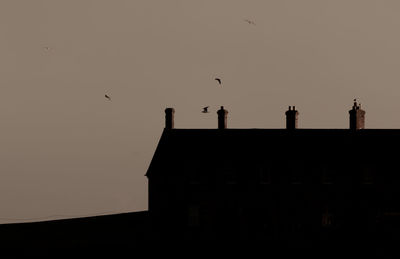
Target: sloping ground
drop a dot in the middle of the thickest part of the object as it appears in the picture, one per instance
(119, 230)
(129, 235)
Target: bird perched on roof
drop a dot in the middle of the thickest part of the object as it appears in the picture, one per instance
(218, 80)
(205, 109)
(108, 97)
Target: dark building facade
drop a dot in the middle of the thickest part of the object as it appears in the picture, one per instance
(293, 185)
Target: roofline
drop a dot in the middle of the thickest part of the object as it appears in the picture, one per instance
(284, 130)
(277, 132)
(157, 150)
(276, 129)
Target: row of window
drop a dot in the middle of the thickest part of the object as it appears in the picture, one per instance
(264, 177)
(326, 178)
(194, 217)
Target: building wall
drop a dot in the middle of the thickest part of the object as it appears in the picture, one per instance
(271, 199)
(300, 186)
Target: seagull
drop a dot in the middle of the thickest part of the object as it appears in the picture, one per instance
(219, 80)
(205, 109)
(108, 97)
(250, 22)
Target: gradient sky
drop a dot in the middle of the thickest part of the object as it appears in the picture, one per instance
(65, 151)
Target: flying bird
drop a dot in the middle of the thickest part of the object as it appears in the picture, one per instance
(205, 109)
(108, 97)
(250, 22)
(219, 80)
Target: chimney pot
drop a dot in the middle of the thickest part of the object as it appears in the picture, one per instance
(169, 118)
(357, 117)
(222, 118)
(291, 118)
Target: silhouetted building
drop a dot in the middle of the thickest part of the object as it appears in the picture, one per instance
(295, 185)
(288, 186)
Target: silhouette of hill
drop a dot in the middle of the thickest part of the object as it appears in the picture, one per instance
(79, 234)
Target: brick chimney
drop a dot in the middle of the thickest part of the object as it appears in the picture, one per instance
(357, 117)
(169, 118)
(222, 118)
(291, 118)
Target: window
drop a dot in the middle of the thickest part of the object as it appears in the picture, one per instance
(193, 216)
(367, 175)
(264, 174)
(194, 177)
(295, 171)
(327, 218)
(296, 177)
(229, 172)
(327, 175)
(230, 177)
(192, 171)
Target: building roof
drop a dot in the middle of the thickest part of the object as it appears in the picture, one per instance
(211, 147)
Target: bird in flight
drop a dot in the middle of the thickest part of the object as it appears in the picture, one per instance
(205, 109)
(108, 97)
(219, 80)
(250, 22)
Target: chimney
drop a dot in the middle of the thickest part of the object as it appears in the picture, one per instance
(291, 118)
(169, 118)
(222, 118)
(357, 117)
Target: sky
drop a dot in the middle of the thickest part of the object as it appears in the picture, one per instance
(66, 151)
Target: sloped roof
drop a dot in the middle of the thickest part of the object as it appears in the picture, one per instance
(210, 146)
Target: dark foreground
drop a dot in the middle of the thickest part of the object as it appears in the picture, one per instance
(130, 235)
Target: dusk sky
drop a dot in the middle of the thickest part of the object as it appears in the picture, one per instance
(67, 151)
